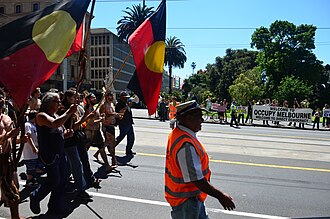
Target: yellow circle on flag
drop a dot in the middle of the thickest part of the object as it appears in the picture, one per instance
(154, 57)
(54, 34)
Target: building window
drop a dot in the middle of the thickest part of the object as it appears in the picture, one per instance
(2, 10)
(72, 71)
(35, 6)
(18, 9)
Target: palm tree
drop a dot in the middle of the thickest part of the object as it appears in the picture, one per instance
(132, 20)
(175, 56)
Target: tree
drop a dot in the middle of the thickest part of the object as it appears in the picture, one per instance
(196, 85)
(227, 69)
(322, 94)
(285, 50)
(175, 56)
(293, 87)
(247, 86)
(132, 20)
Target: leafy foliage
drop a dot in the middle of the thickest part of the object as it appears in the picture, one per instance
(292, 87)
(132, 19)
(285, 50)
(247, 86)
(227, 69)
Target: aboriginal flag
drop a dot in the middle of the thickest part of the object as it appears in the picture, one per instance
(32, 47)
(147, 43)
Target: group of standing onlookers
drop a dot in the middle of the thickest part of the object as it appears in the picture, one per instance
(167, 110)
(59, 130)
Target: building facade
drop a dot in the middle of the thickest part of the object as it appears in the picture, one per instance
(107, 55)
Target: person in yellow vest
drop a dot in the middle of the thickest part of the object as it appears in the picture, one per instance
(172, 108)
(187, 173)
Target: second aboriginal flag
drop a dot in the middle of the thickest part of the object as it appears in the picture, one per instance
(148, 47)
(32, 47)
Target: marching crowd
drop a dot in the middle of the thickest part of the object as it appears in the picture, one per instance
(59, 129)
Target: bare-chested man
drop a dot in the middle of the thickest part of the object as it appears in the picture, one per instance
(108, 126)
(8, 184)
(93, 130)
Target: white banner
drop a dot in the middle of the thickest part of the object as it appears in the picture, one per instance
(282, 114)
(326, 113)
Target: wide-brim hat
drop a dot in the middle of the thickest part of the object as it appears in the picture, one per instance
(187, 107)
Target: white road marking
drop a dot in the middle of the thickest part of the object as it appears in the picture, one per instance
(151, 202)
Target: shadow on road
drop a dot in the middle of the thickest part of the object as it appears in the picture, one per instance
(101, 172)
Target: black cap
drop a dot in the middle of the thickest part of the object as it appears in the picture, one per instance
(124, 94)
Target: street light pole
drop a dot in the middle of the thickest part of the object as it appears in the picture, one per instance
(193, 66)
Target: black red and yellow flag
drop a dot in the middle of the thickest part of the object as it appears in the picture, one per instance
(32, 47)
(148, 48)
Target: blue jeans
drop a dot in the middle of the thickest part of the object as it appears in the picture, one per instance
(193, 208)
(54, 184)
(76, 167)
(31, 166)
(126, 130)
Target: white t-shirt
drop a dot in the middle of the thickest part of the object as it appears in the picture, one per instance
(28, 153)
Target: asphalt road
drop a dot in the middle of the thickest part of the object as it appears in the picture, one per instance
(271, 173)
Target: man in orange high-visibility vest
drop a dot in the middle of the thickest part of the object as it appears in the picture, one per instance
(172, 108)
(187, 173)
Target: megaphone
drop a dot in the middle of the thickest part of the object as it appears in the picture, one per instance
(134, 99)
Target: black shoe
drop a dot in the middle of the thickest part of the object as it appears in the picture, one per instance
(130, 153)
(34, 205)
(83, 195)
(94, 184)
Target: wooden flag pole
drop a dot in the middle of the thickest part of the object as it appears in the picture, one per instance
(114, 79)
(83, 58)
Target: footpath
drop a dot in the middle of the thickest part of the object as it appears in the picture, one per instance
(143, 114)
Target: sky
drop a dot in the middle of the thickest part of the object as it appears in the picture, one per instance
(208, 27)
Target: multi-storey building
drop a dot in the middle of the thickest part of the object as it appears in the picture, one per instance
(107, 55)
